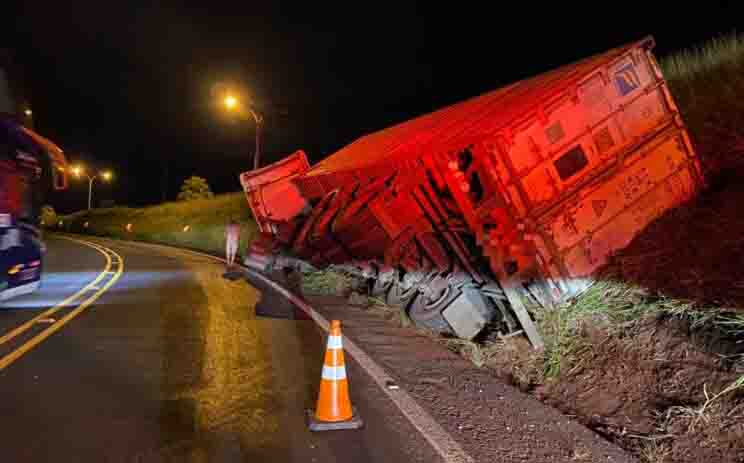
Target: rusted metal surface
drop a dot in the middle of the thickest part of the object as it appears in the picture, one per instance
(529, 187)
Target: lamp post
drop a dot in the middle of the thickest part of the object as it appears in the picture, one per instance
(79, 171)
(259, 122)
(234, 105)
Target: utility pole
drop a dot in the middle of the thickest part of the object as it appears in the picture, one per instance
(259, 122)
(90, 191)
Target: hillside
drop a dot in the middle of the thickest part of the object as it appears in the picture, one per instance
(198, 224)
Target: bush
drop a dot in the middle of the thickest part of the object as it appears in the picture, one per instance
(195, 188)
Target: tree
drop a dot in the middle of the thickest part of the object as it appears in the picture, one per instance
(48, 216)
(194, 188)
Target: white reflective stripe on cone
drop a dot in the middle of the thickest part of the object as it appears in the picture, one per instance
(334, 342)
(334, 373)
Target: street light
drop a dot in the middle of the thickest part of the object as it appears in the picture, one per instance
(233, 104)
(79, 171)
(230, 102)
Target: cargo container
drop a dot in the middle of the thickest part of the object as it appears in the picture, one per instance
(512, 199)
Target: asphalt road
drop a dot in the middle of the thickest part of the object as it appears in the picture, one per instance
(172, 363)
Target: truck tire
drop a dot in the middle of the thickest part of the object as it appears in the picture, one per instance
(379, 288)
(399, 297)
(426, 314)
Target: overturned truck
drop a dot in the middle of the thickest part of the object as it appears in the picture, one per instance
(471, 214)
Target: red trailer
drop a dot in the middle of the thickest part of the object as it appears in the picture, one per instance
(516, 195)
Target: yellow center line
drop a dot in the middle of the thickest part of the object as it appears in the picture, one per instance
(36, 340)
(25, 326)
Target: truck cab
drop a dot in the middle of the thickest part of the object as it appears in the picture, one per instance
(30, 167)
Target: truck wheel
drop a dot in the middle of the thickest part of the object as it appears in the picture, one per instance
(400, 297)
(379, 288)
(428, 314)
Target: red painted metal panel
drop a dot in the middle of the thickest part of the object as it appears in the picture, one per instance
(56, 157)
(451, 127)
(272, 197)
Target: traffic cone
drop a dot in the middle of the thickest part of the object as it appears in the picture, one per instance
(334, 410)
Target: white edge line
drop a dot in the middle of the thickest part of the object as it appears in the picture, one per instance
(440, 440)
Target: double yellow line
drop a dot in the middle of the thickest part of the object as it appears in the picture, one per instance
(108, 276)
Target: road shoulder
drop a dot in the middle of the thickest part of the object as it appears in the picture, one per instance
(486, 417)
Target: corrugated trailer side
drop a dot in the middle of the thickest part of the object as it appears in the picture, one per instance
(594, 152)
(607, 214)
(454, 127)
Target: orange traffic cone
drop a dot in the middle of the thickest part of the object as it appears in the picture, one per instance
(334, 409)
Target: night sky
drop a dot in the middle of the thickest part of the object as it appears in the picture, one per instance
(126, 85)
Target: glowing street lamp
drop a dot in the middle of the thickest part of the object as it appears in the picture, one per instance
(79, 171)
(233, 104)
(28, 112)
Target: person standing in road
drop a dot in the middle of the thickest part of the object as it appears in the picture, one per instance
(232, 240)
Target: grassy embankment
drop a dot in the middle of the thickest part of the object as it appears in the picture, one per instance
(198, 224)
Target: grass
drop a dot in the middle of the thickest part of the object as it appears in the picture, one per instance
(697, 415)
(614, 307)
(395, 314)
(328, 282)
(478, 353)
(706, 59)
(654, 451)
(608, 305)
(707, 83)
(334, 281)
(197, 224)
(707, 425)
